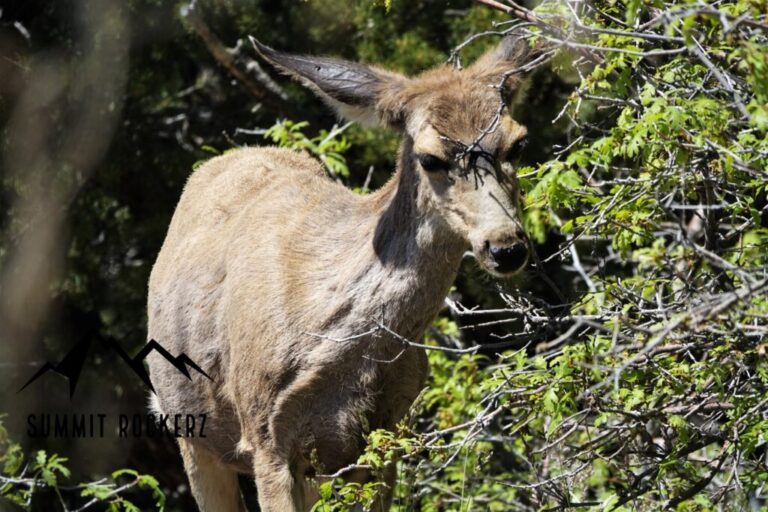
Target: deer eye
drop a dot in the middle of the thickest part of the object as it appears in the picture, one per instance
(517, 147)
(431, 163)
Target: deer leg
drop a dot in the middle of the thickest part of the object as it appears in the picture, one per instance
(276, 485)
(213, 485)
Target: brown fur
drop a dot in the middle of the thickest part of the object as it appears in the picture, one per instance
(270, 272)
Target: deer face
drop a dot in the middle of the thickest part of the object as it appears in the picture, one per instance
(462, 148)
(458, 138)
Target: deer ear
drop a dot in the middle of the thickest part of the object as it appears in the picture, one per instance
(508, 58)
(354, 90)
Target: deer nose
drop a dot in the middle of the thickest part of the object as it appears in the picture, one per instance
(510, 257)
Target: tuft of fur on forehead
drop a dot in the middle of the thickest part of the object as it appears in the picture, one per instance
(458, 104)
(464, 108)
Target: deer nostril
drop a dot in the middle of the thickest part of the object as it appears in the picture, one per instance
(509, 258)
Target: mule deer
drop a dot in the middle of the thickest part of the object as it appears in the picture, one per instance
(273, 277)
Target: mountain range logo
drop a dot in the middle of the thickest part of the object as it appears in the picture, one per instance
(72, 364)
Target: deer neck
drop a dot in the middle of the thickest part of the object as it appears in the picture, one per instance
(417, 254)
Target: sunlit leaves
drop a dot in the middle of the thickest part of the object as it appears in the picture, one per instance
(328, 146)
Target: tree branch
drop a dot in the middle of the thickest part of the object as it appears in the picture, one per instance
(256, 81)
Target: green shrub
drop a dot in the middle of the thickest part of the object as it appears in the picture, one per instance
(648, 388)
(24, 477)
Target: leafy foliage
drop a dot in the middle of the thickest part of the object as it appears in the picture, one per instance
(652, 390)
(327, 146)
(21, 481)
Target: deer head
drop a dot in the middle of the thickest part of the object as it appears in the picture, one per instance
(458, 137)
